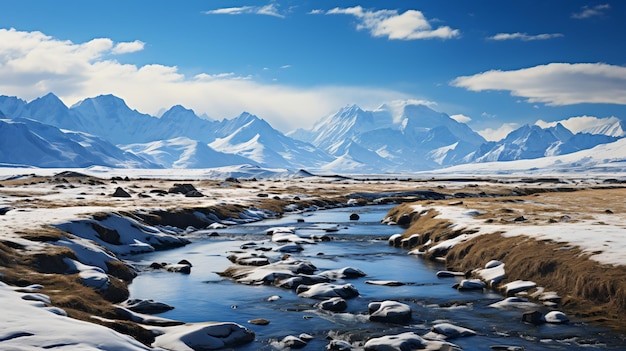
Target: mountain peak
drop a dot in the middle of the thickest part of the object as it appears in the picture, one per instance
(179, 112)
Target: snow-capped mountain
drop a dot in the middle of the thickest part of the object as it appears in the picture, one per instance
(406, 136)
(603, 158)
(531, 142)
(401, 136)
(251, 137)
(183, 152)
(28, 142)
(610, 126)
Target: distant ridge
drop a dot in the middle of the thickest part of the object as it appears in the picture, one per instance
(397, 137)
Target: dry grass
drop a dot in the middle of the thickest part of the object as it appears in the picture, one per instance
(590, 290)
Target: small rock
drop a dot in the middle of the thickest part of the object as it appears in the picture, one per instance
(339, 345)
(354, 217)
(532, 317)
(335, 304)
(259, 321)
(293, 342)
(555, 317)
(119, 192)
(404, 220)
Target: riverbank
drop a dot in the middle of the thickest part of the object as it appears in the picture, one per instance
(569, 241)
(48, 220)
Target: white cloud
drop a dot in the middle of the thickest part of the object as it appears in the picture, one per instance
(33, 64)
(500, 133)
(580, 123)
(524, 36)
(126, 48)
(269, 10)
(461, 118)
(587, 12)
(410, 25)
(555, 83)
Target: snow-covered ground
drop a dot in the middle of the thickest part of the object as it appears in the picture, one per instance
(605, 242)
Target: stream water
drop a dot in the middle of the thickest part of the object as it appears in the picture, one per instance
(203, 295)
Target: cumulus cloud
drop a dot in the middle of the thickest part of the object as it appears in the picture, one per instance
(33, 64)
(556, 83)
(524, 36)
(461, 118)
(269, 10)
(498, 134)
(587, 12)
(125, 48)
(409, 25)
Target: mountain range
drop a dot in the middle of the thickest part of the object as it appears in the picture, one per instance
(396, 137)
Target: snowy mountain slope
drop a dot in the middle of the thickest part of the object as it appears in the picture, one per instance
(28, 142)
(183, 152)
(531, 142)
(357, 159)
(610, 126)
(609, 158)
(181, 122)
(109, 117)
(253, 138)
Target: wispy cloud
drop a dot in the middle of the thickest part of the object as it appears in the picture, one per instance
(269, 10)
(555, 83)
(524, 36)
(587, 12)
(491, 134)
(461, 118)
(409, 25)
(33, 64)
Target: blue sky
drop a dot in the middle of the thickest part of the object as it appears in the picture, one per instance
(490, 63)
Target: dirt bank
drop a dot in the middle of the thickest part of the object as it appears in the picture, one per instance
(590, 289)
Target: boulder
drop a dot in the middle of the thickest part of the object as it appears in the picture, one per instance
(293, 342)
(354, 217)
(344, 273)
(335, 304)
(555, 317)
(448, 331)
(325, 291)
(203, 336)
(146, 306)
(407, 341)
(389, 312)
(532, 317)
(470, 284)
(338, 345)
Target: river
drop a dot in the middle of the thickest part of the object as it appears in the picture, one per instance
(203, 295)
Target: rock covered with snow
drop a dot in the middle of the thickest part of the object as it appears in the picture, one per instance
(389, 312)
(203, 336)
(324, 291)
(448, 331)
(334, 304)
(405, 342)
(343, 273)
